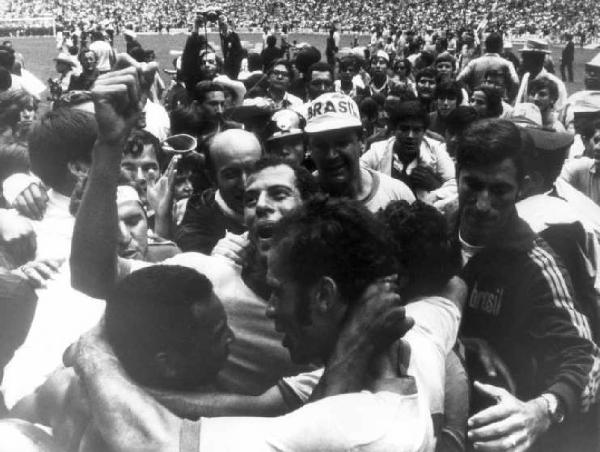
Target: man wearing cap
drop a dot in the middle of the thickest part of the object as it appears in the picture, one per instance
(287, 141)
(335, 141)
(380, 81)
(65, 66)
(473, 74)
(534, 54)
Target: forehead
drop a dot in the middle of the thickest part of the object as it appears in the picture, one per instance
(321, 75)
(280, 175)
(479, 95)
(333, 135)
(147, 155)
(379, 60)
(280, 67)
(209, 57)
(504, 172)
(412, 123)
(234, 151)
(426, 79)
(212, 96)
(129, 209)
(209, 312)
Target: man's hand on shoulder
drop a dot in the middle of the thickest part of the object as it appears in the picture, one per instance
(510, 425)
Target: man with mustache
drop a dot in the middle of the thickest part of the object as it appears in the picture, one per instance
(419, 161)
(521, 303)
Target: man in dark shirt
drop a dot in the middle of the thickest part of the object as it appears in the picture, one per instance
(568, 55)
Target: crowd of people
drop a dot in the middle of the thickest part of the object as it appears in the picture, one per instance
(550, 18)
(392, 247)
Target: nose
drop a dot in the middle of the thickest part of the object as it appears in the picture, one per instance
(270, 312)
(230, 336)
(124, 235)
(412, 134)
(139, 175)
(483, 201)
(262, 205)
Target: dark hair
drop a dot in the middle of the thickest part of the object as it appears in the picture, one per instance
(137, 139)
(255, 62)
(422, 244)
(494, 43)
(306, 183)
(449, 88)
(319, 66)
(138, 54)
(493, 98)
(5, 79)
(306, 57)
(490, 142)
(185, 119)
(543, 82)
(271, 41)
(460, 118)
(446, 58)
(407, 65)
(369, 107)
(284, 62)
(61, 136)
(14, 158)
(12, 103)
(411, 110)
(429, 72)
(7, 57)
(404, 92)
(204, 87)
(148, 312)
(349, 61)
(333, 237)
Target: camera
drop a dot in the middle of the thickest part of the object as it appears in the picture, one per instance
(210, 14)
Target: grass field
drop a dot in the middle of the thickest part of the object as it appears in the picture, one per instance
(38, 52)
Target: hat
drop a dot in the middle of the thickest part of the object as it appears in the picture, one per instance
(382, 54)
(332, 111)
(132, 34)
(585, 102)
(126, 193)
(527, 111)
(64, 58)
(536, 45)
(287, 124)
(238, 88)
(544, 139)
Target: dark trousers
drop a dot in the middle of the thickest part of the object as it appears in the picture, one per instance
(569, 66)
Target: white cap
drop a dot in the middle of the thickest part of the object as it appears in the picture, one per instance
(332, 111)
(126, 193)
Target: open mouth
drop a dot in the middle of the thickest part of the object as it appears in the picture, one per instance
(265, 231)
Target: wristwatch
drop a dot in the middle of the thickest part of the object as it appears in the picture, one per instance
(554, 406)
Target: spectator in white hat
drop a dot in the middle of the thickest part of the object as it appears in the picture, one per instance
(64, 65)
(335, 141)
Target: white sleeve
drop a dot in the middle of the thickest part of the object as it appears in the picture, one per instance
(302, 385)
(357, 421)
(438, 319)
(14, 185)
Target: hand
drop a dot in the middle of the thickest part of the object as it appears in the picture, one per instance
(160, 193)
(117, 98)
(510, 425)
(233, 247)
(493, 365)
(91, 347)
(36, 273)
(17, 236)
(423, 177)
(32, 201)
(377, 317)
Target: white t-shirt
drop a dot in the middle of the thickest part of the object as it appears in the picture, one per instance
(431, 338)
(384, 190)
(365, 421)
(105, 54)
(257, 358)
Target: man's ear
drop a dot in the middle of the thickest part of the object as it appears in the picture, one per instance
(78, 169)
(532, 184)
(325, 294)
(164, 364)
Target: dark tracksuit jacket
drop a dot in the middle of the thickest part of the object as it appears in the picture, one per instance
(520, 301)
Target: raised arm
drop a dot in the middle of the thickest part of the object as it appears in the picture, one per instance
(94, 248)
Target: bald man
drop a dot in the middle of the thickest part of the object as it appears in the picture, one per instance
(210, 214)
